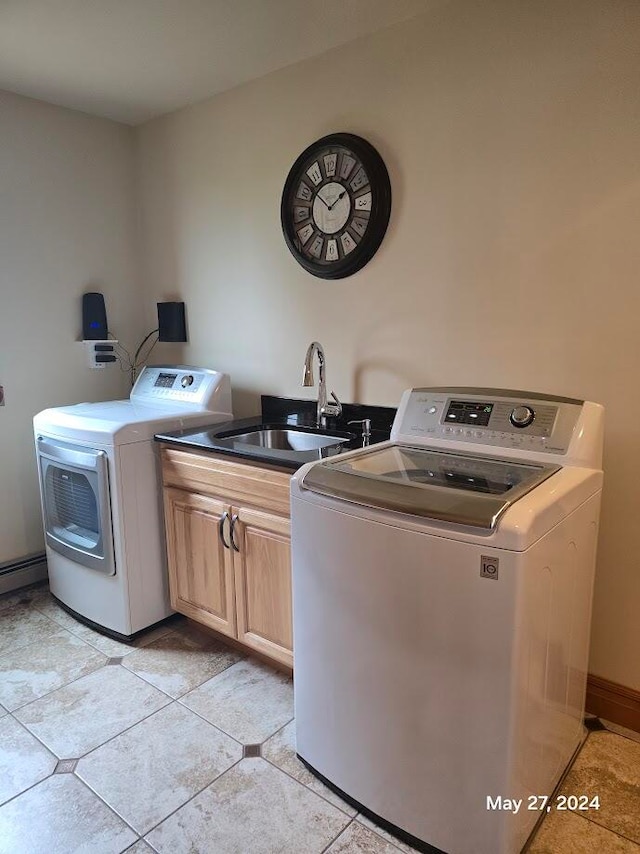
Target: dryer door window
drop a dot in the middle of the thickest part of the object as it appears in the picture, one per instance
(72, 507)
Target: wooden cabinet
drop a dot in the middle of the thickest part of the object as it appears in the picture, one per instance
(229, 548)
(200, 575)
(262, 570)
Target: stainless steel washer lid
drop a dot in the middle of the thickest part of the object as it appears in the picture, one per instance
(457, 488)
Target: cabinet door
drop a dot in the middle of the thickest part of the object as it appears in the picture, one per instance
(200, 567)
(262, 567)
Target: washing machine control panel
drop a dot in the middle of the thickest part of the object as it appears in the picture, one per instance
(497, 418)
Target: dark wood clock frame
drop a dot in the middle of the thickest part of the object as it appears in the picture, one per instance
(315, 189)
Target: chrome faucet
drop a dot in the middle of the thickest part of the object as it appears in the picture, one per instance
(324, 408)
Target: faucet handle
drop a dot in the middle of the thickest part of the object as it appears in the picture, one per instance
(333, 409)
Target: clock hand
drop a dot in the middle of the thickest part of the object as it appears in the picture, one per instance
(343, 193)
(327, 206)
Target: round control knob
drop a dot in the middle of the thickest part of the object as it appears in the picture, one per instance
(186, 380)
(522, 416)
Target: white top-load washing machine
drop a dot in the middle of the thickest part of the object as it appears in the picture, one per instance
(442, 588)
(102, 497)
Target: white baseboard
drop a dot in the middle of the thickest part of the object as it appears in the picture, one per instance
(22, 575)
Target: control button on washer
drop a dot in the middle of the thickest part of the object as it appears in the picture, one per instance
(522, 416)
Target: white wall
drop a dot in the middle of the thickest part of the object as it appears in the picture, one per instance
(67, 225)
(512, 136)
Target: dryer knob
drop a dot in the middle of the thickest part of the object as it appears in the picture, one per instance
(186, 380)
(522, 416)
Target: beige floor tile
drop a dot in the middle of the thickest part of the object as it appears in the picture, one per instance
(622, 730)
(403, 846)
(47, 605)
(254, 808)
(23, 760)
(39, 668)
(21, 625)
(61, 816)
(156, 766)
(568, 833)
(140, 847)
(180, 661)
(115, 648)
(609, 766)
(83, 715)
(8, 600)
(20, 597)
(249, 701)
(280, 749)
(357, 839)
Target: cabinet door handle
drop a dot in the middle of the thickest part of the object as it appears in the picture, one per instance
(232, 532)
(223, 519)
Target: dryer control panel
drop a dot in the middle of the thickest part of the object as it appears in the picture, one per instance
(496, 417)
(183, 384)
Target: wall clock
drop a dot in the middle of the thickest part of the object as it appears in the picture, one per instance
(335, 205)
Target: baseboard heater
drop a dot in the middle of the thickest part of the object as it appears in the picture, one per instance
(18, 573)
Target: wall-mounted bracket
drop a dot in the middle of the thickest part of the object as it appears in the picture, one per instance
(100, 353)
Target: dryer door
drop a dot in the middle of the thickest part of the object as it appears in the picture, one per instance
(75, 498)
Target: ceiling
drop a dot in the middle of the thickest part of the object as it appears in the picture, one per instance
(132, 60)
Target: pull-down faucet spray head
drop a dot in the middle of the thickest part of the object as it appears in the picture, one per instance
(307, 376)
(307, 373)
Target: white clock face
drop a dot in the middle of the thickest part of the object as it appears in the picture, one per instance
(331, 207)
(335, 205)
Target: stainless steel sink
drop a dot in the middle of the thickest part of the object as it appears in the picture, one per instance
(280, 439)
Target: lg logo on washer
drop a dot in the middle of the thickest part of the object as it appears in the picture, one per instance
(489, 567)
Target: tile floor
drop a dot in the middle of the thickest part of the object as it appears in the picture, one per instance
(106, 747)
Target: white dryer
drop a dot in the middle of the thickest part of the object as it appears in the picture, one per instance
(102, 497)
(442, 587)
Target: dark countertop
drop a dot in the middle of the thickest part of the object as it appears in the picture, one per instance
(281, 413)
